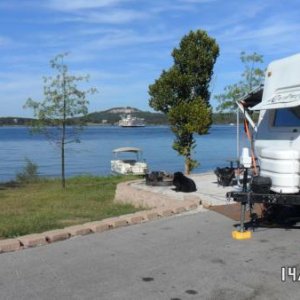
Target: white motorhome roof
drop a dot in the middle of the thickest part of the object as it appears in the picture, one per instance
(282, 98)
(282, 84)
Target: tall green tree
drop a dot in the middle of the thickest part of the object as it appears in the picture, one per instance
(63, 104)
(182, 92)
(251, 78)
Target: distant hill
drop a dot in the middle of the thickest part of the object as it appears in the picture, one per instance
(113, 115)
(122, 110)
(110, 116)
(14, 121)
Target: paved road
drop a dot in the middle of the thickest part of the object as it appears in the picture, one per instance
(185, 257)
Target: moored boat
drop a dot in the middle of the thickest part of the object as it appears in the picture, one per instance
(126, 166)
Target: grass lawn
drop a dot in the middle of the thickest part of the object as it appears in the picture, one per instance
(44, 205)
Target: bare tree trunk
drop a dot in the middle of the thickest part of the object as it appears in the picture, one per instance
(188, 156)
(63, 179)
(187, 169)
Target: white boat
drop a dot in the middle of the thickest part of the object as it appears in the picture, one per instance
(130, 121)
(125, 166)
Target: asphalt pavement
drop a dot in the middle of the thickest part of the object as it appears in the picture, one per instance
(190, 256)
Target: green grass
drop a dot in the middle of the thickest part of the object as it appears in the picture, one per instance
(44, 205)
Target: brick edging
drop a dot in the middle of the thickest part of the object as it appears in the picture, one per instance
(159, 206)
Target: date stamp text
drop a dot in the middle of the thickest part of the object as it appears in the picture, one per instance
(290, 274)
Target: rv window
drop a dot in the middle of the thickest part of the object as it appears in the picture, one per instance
(287, 117)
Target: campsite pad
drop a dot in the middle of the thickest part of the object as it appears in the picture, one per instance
(233, 211)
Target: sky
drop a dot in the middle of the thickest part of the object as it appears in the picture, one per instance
(125, 44)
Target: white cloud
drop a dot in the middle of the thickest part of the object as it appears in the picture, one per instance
(267, 39)
(15, 89)
(265, 32)
(177, 6)
(198, 1)
(74, 5)
(124, 42)
(128, 37)
(11, 83)
(133, 94)
(108, 17)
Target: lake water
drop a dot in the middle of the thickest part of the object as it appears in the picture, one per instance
(93, 154)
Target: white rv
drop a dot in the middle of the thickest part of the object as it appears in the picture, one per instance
(276, 136)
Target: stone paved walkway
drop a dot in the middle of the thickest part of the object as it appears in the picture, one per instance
(208, 190)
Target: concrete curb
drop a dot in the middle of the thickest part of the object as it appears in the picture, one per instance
(158, 206)
(32, 240)
(9, 245)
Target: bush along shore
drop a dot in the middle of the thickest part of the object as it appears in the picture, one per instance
(41, 205)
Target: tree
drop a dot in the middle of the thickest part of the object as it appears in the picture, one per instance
(252, 77)
(64, 103)
(182, 92)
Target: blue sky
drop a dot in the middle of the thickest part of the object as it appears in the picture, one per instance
(125, 44)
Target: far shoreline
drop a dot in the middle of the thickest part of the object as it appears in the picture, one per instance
(113, 125)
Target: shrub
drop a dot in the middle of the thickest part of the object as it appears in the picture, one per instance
(29, 172)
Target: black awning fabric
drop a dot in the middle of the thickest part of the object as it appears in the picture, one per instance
(252, 98)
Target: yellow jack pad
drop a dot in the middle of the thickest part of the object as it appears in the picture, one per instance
(245, 235)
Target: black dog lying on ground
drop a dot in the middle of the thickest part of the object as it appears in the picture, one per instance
(183, 183)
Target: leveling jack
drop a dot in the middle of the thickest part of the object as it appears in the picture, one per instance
(242, 234)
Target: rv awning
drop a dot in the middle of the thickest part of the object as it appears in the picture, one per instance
(280, 100)
(249, 100)
(252, 98)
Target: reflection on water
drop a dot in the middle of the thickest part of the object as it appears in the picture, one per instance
(93, 154)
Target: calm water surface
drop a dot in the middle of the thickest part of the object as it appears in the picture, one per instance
(93, 154)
